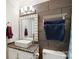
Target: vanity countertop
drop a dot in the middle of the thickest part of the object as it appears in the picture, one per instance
(30, 49)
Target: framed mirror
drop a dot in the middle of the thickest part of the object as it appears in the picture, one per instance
(29, 27)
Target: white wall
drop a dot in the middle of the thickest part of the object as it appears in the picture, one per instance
(12, 15)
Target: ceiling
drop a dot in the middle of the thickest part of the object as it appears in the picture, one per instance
(22, 3)
(29, 2)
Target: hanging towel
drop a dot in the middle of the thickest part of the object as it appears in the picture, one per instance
(25, 32)
(54, 30)
(9, 33)
(54, 21)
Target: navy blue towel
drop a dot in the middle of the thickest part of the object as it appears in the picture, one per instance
(54, 22)
(55, 30)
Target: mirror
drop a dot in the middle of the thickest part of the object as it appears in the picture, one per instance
(29, 27)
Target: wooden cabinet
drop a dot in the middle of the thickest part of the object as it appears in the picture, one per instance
(17, 54)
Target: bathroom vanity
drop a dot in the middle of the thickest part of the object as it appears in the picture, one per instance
(15, 52)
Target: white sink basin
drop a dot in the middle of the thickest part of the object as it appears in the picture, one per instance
(23, 43)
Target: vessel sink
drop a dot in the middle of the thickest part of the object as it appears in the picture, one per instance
(23, 43)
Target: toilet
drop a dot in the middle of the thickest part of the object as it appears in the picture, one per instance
(51, 54)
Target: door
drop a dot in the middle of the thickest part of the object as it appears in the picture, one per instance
(24, 55)
(12, 53)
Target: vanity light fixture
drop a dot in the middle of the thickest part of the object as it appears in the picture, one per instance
(22, 10)
(27, 10)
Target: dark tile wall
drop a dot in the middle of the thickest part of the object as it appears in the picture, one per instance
(53, 4)
(42, 7)
(50, 8)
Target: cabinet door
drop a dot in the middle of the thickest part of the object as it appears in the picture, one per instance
(24, 55)
(12, 53)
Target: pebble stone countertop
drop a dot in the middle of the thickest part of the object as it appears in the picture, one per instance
(30, 49)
